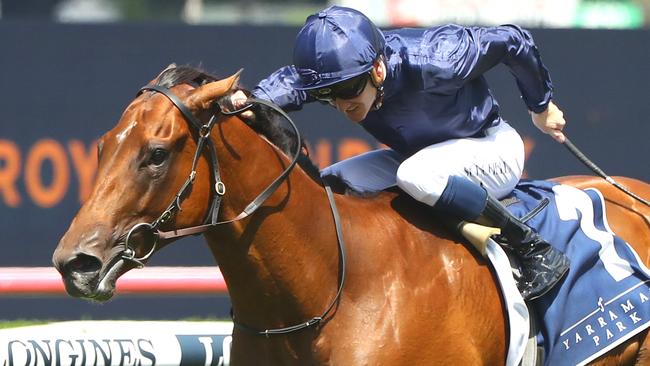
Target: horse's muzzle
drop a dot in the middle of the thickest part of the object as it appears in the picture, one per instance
(80, 274)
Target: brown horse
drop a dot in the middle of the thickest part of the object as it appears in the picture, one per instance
(410, 285)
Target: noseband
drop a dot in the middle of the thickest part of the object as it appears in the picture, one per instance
(211, 221)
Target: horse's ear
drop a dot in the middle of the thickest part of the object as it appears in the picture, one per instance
(233, 80)
(171, 66)
(203, 96)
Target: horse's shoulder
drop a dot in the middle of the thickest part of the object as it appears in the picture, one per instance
(394, 214)
(392, 204)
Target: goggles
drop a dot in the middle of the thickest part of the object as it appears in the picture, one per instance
(347, 89)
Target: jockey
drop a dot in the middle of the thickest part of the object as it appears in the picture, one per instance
(422, 93)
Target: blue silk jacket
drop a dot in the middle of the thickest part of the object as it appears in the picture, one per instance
(435, 89)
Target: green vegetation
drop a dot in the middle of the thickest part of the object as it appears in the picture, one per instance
(4, 324)
(15, 323)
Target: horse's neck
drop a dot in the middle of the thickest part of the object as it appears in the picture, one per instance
(278, 261)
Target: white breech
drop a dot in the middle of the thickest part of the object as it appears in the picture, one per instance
(495, 161)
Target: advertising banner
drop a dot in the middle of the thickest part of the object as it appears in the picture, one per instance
(108, 343)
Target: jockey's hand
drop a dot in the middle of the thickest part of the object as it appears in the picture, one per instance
(238, 100)
(551, 122)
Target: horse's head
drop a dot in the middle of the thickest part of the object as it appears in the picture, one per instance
(143, 163)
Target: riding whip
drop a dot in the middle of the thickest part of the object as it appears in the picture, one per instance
(590, 164)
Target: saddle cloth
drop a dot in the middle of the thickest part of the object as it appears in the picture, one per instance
(604, 298)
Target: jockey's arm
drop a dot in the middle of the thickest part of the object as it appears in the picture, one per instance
(515, 48)
(521, 55)
(478, 49)
(276, 88)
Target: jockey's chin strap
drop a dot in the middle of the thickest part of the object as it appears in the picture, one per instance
(211, 221)
(379, 98)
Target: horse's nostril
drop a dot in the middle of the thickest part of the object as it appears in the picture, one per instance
(83, 263)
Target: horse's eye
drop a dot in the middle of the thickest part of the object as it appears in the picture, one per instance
(158, 156)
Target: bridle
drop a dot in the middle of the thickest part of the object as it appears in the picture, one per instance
(211, 221)
(212, 214)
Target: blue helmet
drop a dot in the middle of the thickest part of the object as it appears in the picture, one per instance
(334, 45)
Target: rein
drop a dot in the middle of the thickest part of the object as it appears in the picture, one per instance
(212, 214)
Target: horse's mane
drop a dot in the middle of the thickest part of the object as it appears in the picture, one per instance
(267, 122)
(176, 75)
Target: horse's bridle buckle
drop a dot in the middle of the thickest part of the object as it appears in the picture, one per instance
(220, 188)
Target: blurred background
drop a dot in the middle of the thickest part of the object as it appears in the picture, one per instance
(619, 14)
(68, 68)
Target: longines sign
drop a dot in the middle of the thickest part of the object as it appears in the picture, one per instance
(117, 343)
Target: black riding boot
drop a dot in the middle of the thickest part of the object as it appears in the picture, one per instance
(542, 266)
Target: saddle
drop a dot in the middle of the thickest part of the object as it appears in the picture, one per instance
(603, 300)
